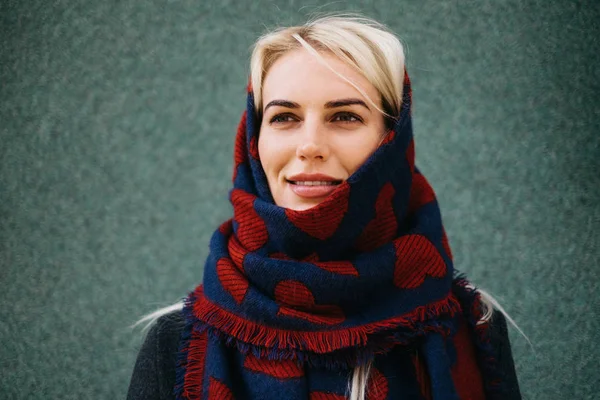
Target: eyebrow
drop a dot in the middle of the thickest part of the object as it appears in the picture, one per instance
(282, 103)
(329, 104)
(346, 102)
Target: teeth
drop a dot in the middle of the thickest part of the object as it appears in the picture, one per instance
(314, 183)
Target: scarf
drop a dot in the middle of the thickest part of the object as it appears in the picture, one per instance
(293, 301)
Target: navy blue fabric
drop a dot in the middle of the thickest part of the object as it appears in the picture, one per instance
(153, 377)
(333, 287)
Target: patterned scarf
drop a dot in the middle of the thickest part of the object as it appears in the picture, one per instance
(293, 301)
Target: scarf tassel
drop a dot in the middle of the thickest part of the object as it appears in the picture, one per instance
(438, 366)
(189, 374)
(338, 348)
(487, 360)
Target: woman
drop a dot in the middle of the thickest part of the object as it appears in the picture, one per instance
(334, 278)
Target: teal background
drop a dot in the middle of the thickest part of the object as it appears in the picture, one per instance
(117, 121)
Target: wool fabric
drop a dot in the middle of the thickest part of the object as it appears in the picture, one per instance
(293, 301)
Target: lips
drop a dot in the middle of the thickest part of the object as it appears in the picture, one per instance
(313, 185)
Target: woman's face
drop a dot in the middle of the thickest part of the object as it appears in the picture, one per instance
(316, 129)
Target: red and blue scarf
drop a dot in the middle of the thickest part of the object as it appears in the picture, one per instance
(293, 301)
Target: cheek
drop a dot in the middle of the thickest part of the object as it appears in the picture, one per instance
(271, 155)
(355, 152)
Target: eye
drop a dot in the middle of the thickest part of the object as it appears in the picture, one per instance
(282, 118)
(347, 117)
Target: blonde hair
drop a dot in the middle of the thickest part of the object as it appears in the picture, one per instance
(377, 54)
(364, 44)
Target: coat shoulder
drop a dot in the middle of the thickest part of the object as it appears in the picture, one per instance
(153, 376)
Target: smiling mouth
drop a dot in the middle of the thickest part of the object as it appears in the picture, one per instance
(313, 189)
(315, 183)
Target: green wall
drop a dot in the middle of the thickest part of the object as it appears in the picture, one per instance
(117, 121)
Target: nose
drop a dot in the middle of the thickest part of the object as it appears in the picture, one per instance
(312, 144)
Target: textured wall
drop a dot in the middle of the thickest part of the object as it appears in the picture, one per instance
(116, 132)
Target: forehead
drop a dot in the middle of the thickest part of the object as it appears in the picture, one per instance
(301, 77)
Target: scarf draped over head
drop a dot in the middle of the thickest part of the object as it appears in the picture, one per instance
(293, 301)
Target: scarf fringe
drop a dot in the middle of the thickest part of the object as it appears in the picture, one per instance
(487, 359)
(182, 361)
(331, 348)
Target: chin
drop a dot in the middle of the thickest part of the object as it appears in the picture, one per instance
(302, 206)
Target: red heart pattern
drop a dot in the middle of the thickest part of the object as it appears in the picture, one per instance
(236, 252)
(252, 230)
(416, 258)
(297, 301)
(239, 154)
(377, 386)
(232, 279)
(217, 390)
(382, 229)
(254, 148)
(280, 369)
(326, 396)
(323, 220)
(421, 193)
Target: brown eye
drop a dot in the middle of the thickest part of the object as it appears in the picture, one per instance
(346, 117)
(281, 118)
